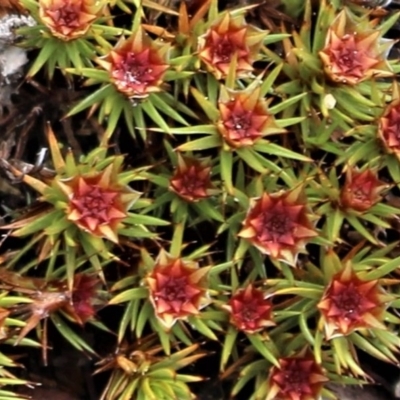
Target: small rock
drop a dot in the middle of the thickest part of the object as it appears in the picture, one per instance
(12, 59)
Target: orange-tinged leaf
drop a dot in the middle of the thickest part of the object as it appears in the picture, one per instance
(33, 182)
(58, 160)
(201, 12)
(183, 23)
(158, 7)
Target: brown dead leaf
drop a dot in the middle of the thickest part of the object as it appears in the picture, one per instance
(44, 303)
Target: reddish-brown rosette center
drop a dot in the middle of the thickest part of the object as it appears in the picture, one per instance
(66, 14)
(95, 203)
(191, 184)
(249, 317)
(345, 56)
(244, 117)
(68, 19)
(295, 381)
(224, 49)
(174, 289)
(349, 302)
(136, 65)
(131, 69)
(250, 311)
(275, 226)
(298, 378)
(247, 314)
(361, 190)
(82, 295)
(224, 41)
(350, 57)
(361, 193)
(191, 180)
(240, 123)
(394, 121)
(390, 128)
(95, 208)
(278, 225)
(177, 290)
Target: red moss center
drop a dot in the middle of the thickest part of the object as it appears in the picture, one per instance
(174, 289)
(133, 70)
(361, 194)
(66, 15)
(224, 50)
(295, 380)
(241, 123)
(190, 183)
(81, 303)
(249, 312)
(275, 226)
(349, 302)
(94, 204)
(394, 122)
(347, 57)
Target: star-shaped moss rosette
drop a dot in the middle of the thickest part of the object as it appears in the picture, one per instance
(66, 33)
(334, 105)
(389, 124)
(132, 76)
(192, 179)
(227, 38)
(87, 207)
(240, 122)
(96, 204)
(136, 65)
(342, 304)
(68, 20)
(249, 309)
(358, 201)
(352, 53)
(178, 289)
(361, 190)
(298, 377)
(170, 294)
(188, 191)
(296, 374)
(279, 225)
(244, 117)
(83, 298)
(249, 313)
(222, 44)
(350, 303)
